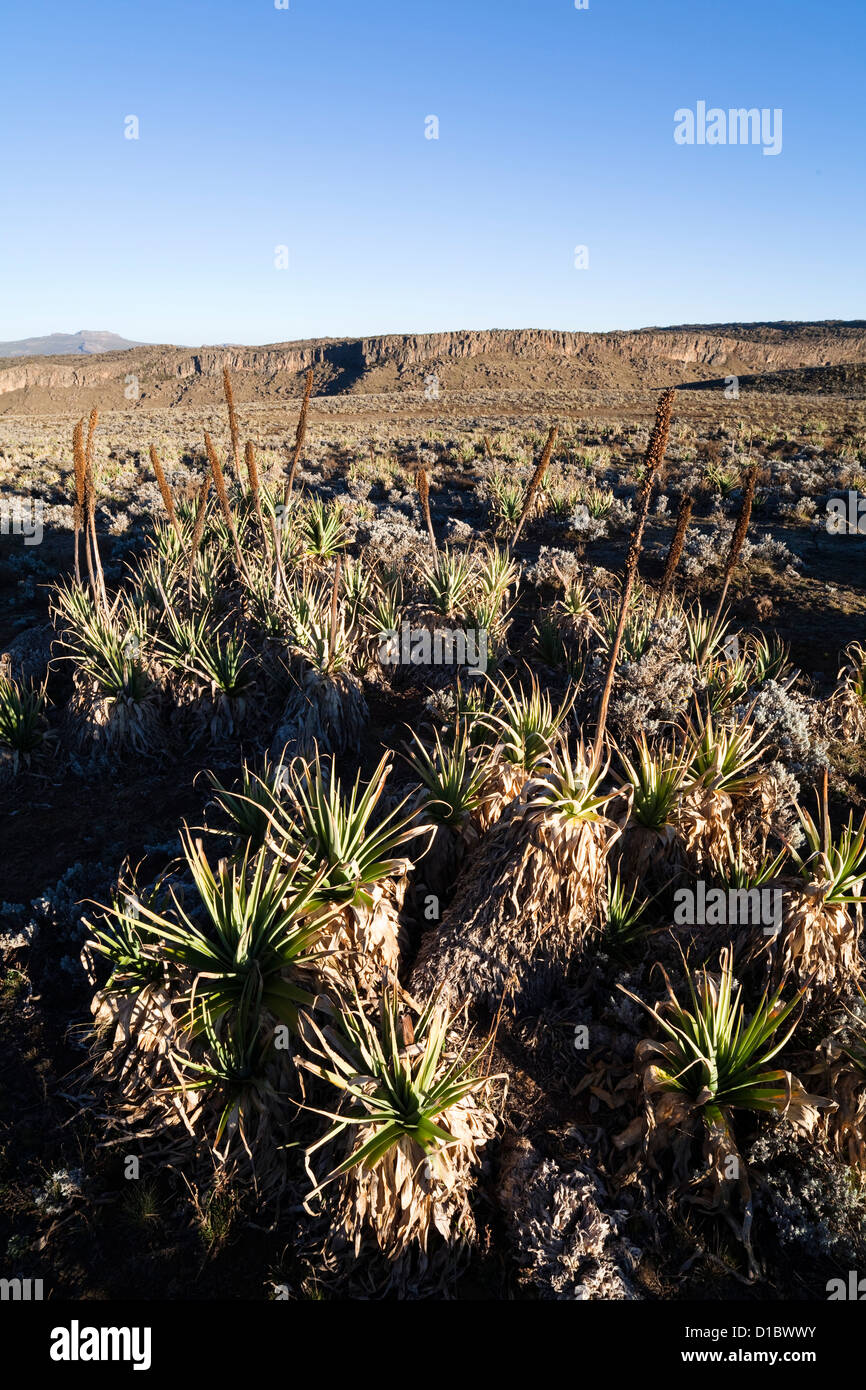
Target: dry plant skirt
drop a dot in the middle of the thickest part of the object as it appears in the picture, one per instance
(526, 901)
(819, 942)
(327, 712)
(416, 1213)
(365, 942)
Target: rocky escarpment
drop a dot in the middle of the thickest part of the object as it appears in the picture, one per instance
(496, 358)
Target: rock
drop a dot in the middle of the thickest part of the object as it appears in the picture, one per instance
(27, 655)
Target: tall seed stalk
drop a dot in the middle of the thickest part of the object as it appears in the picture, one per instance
(197, 532)
(165, 490)
(534, 484)
(678, 540)
(279, 569)
(299, 437)
(423, 486)
(335, 592)
(223, 499)
(653, 460)
(78, 510)
(90, 504)
(233, 422)
(255, 488)
(737, 540)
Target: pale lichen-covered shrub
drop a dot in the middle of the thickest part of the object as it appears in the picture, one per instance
(706, 552)
(809, 1200)
(393, 539)
(620, 516)
(568, 1242)
(787, 717)
(654, 691)
(586, 527)
(552, 566)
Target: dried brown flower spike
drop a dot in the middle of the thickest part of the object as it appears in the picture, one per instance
(535, 483)
(90, 508)
(255, 488)
(678, 540)
(233, 422)
(738, 538)
(653, 461)
(223, 499)
(423, 486)
(165, 490)
(78, 510)
(299, 437)
(197, 531)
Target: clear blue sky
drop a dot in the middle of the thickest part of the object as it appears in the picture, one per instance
(305, 127)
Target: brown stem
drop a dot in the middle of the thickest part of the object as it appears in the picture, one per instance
(299, 437)
(534, 484)
(654, 458)
(332, 635)
(279, 571)
(423, 485)
(223, 499)
(90, 487)
(99, 592)
(76, 522)
(165, 491)
(197, 532)
(678, 540)
(78, 510)
(255, 487)
(737, 541)
(233, 422)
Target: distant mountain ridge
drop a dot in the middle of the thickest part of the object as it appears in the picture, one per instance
(164, 376)
(87, 342)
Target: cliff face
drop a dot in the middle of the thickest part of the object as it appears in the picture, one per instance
(797, 347)
(769, 348)
(165, 376)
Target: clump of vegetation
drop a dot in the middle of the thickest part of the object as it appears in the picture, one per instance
(286, 1010)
